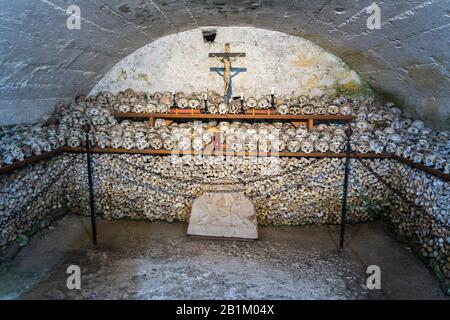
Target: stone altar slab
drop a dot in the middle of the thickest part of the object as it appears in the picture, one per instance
(223, 211)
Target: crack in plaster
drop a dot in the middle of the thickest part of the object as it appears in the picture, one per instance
(409, 13)
(402, 16)
(357, 15)
(58, 8)
(163, 14)
(190, 13)
(121, 17)
(409, 38)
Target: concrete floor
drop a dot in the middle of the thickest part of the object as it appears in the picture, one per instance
(143, 260)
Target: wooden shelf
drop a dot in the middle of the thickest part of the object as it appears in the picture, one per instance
(434, 172)
(17, 165)
(234, 116)
(384, 155)
(309, 119)
(231, 153)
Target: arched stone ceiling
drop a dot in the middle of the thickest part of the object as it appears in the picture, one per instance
(42, 62)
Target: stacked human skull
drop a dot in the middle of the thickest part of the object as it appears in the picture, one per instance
(376, 129)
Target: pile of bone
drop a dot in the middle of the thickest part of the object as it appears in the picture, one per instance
(292, 105)
(303, 105)
(23, 141)
(140, 102)
(384, 129)
(428, 219)
(157, 188)
(63, 127)
(213, 103)
(376, 129)
(30, 197)
(237, 136)
(83, 112)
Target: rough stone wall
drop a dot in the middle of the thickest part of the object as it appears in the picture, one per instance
(30, 198)
(180, 62)
(42, 62)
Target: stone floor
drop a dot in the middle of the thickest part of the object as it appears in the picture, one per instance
(143, 260)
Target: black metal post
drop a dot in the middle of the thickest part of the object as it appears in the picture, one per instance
(91, 184)
(272, 101)
(348, 133)
(206, 104)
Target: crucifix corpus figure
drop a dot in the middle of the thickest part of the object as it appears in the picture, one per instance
(227, 58)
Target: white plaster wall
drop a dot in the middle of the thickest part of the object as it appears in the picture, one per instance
(180, 62)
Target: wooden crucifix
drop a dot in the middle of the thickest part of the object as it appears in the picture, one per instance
(227, 58)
